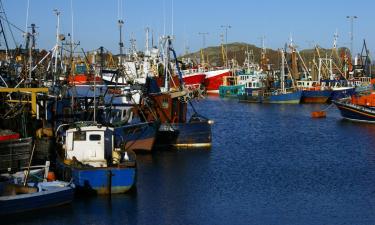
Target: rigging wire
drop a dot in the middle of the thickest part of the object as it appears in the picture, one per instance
(10, 30)
(72, 14)
(11, 24)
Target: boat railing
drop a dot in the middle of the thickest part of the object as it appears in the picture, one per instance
(363, 108)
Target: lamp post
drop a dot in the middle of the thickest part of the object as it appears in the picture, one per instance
(203, 38)
(351, 18)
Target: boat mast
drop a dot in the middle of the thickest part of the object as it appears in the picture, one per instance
(121, 44)
(203, 34)
(147, 44)
(223, 52)
(31, 48)
(166, 55)
(282, 74)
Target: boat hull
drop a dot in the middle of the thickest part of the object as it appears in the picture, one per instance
(288, 98)
(185, 135)
(194, 79)
(355, 113)
(231, 91)
(342, 93)
(214, 79)
(315, 96)
(137, 137)
(102, 181)
(34, 201)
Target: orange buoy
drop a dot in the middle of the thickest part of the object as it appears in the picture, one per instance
(318, 114)
(51, 176)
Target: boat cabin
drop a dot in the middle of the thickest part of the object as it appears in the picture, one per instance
(251, 82)
(230, 80)
(90, 145)
(310, 85)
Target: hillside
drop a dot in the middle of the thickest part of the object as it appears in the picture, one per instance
(237, 51)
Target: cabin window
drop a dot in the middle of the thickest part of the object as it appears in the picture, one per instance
(79, 136)
(95, 137)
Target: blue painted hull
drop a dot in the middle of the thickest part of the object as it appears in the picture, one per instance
(107, 180)
(35, 201)
(292, 98)
(249, 91)
(288, 98)
(355, 113)
(339, 94)
(316, 96)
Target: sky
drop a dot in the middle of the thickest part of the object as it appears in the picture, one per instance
(308, 22)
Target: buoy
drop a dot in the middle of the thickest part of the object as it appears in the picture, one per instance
(319, 114)
(51, 176)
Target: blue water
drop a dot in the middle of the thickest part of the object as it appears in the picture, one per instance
(269, 164)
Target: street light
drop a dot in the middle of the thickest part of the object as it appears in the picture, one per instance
(226, 39)
(203, 38)
(351, 18)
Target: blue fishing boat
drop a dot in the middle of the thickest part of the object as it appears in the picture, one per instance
(281, 96)
(92, 161)
(314, 91)
(341, 92)
(292, 97)
(18, 198)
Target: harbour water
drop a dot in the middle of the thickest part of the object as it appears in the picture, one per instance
(269, 164)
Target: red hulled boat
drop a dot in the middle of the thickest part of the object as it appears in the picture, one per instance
(214, 79)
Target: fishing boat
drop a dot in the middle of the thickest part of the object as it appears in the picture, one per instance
(32, 188)
(267, 95)
(194, 76)
(82, 76)
(170, 107)
(88, 156)
(314, 91)
(175, 129)
(128, 73)
(18, 198)
(214, 78)
(359, 108)
(231, 87)
(341, 89)
(136, 136)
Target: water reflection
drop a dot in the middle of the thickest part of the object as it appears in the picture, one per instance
(269, 164)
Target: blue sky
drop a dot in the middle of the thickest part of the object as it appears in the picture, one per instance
(95, 21)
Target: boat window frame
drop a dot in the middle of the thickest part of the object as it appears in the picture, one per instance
(79, 136)
(95, 135)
